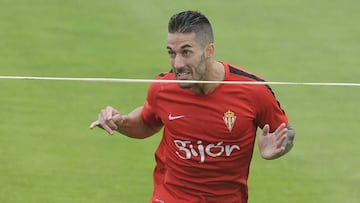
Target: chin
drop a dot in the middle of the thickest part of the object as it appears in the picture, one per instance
(186, 85)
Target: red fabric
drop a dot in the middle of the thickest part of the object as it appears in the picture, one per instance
(208, 140)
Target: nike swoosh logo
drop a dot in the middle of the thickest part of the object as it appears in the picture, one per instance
(171, 117)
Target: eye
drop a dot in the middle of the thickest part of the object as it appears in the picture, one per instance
(171, 53)
(186, 52)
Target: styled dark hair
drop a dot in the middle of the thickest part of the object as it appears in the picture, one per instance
(192, 21)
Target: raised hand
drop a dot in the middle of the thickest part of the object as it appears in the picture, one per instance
(271, 144)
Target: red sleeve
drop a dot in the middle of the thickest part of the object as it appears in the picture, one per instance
(148, 113)
(268, 109)
(149, 116)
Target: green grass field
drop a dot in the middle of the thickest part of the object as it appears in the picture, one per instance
(48, 154)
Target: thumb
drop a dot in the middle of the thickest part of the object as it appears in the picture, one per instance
(265, 130)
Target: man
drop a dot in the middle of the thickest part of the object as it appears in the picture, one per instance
(209, 128)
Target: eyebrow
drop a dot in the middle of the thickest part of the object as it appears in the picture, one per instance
(182, 47)
(186, 46)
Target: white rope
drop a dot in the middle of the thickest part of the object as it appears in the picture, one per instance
(125, 80)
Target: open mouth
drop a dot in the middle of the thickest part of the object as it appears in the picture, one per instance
(183, 75)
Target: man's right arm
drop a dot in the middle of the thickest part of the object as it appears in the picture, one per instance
(131, 125)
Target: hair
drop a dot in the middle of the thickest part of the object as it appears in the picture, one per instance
(192, 21)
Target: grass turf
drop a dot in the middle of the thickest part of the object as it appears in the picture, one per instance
(47, 153)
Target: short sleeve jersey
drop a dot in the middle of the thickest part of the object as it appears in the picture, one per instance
(208, 139)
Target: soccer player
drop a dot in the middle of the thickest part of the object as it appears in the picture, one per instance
(209, 129)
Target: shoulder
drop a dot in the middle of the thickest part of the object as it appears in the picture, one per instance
(156, 87)
(257, 91)
(162, 76)
(236, 72)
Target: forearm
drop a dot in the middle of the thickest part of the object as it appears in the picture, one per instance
(132, 125)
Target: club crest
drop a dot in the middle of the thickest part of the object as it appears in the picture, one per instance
(229, 119)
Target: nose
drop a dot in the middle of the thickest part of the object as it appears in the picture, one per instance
(178, 61)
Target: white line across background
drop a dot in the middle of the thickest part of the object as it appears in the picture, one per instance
(126, 80)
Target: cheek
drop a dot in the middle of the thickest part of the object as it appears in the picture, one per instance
(171, 62)
(201, 67)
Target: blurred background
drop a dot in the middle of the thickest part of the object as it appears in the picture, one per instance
(48, 154)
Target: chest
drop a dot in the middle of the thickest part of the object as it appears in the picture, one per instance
(222, 116)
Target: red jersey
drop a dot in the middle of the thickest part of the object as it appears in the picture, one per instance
(208, 139)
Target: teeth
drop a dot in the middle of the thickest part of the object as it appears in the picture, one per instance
(182, 74)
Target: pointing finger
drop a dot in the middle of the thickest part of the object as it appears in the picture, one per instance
(94, 124)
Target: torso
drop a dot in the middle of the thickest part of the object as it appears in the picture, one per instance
(208, 139)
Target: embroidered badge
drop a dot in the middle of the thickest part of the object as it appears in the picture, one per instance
(229, 119)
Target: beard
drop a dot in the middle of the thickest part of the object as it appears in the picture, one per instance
(187, 74)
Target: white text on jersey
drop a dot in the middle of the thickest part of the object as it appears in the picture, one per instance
(187, 149)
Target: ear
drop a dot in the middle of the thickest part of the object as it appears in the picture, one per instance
(209, 51)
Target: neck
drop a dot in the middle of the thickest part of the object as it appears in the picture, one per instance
(216, 72)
